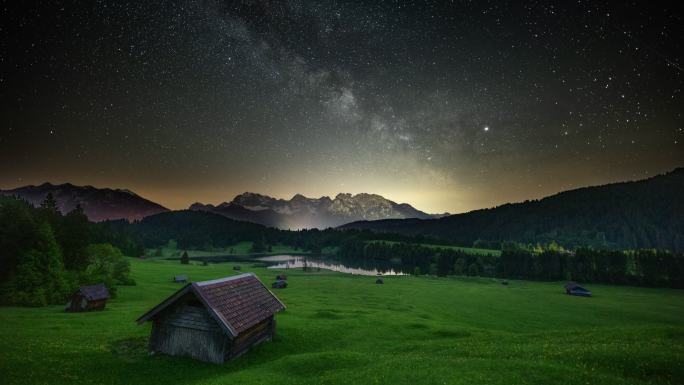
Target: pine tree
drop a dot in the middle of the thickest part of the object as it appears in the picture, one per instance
(48, 211)
(185, 260)
(49, 203)
(40, 277)
(74, 236)
(258, 246)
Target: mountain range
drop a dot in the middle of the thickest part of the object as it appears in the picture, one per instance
(302, 212)
(647, 213)
(299, 212)
(97, 203)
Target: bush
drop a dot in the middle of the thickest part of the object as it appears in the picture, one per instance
(473, 270)
(108, 265)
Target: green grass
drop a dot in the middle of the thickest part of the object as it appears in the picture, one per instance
(345, 329)
(468, 250)
(240, 248)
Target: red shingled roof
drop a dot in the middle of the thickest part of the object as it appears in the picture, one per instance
(95, 292)
(237, 303)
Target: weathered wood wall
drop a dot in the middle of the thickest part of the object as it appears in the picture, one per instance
(187, 329)
(96, 305)
(78, 302)
(190, 331)
(257, 334)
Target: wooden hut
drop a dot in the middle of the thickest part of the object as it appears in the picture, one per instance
(180, 278)
(214, 321)
(87, 298)
(572, 288)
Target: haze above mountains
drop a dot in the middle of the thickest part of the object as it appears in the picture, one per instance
(302, 212)
(297, 213)
(647, 213)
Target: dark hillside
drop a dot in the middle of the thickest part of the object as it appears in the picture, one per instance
(643, 214)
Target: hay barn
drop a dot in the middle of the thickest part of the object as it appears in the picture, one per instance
(87, 298)
(571, 288)
(214, 321)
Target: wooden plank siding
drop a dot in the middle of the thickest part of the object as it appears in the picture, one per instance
(78, 303)
(180, 341)
(214, 321)
(189, 331)
(257, 334)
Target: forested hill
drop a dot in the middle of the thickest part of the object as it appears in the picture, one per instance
(98, 204)
(644, 214)
(195, 229)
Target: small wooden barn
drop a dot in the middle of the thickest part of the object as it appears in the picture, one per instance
(180, 278)
(87, 298)
(573, 288)
(214, 321)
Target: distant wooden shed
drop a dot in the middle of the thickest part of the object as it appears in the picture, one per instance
(573, 288)
(214, 321)
(180, 278)
(87, 298)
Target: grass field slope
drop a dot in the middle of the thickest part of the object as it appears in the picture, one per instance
(344, 329)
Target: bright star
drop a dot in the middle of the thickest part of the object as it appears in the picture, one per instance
(486, 128)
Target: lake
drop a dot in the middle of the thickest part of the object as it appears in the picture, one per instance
(301, 261)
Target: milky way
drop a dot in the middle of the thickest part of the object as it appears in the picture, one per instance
(449, 106)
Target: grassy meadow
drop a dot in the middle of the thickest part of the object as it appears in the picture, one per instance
(344, 329)
(467, 250)
(243, 248)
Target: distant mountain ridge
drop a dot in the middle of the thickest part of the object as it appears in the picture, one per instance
(98, 204)
(302, 212)
(648, 213)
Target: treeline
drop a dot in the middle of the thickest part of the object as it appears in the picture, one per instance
(645, 267)
(637, 267)
(417, 259)
(634, 215)
(44, 255)
(206, 231)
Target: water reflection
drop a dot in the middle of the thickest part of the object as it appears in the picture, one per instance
(308, 262)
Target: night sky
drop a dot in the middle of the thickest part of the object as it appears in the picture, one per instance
(449, 106)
